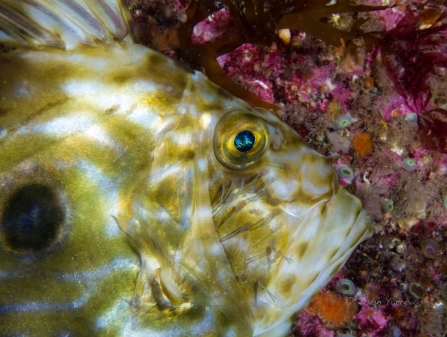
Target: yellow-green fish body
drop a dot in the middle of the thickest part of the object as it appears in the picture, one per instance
(139, 199)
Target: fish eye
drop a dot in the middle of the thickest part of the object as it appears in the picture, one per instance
(32, 219)
(244, 141)
(240, 139)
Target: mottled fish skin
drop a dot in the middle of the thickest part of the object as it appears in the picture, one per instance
(158, 225)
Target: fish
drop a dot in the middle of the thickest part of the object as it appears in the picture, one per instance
(140, 199)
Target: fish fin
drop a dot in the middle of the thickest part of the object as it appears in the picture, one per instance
(63, 24)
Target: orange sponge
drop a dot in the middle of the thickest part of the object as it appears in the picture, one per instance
(362, 144)
(334, 311)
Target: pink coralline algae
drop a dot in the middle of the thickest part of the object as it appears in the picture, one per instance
(247, 69)
(371, 320)
(212, 27)
(368, 90)
(311, 325)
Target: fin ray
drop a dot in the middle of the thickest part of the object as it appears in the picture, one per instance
(19, 23)
(63, 23)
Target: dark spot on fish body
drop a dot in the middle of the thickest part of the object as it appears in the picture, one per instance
(311, 280)
(164, 71)
(122, 78)
(332, 253)
(287, 285)
(301, 249)
(32, 219)
(3, 111)
(111, 110)
(274, 201)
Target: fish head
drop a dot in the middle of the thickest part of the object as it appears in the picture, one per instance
(139, 199)
(240, 215)
(285, 223)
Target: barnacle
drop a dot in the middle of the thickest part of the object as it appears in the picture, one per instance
(388, 205)
(415, 291)
(409, 164)
(345, 174)
(430, 248)
(412, 118)
(345, 287)
(342, 122)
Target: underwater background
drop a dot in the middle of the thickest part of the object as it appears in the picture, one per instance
(365, 84)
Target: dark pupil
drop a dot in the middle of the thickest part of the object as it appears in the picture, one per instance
(244, 141)
(31, 219)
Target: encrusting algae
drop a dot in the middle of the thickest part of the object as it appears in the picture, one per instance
(138, 198)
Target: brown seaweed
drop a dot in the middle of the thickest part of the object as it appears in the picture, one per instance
(256, 22)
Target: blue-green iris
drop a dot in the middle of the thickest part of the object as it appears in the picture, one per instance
(244, 141)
